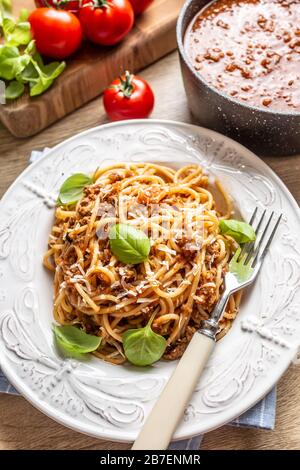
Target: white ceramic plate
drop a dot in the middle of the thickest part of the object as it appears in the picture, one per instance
(111, 402)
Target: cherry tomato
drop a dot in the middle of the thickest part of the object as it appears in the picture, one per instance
(140, 5)
(108, 23)
(58, 33)
(128, 97)
(70, 5)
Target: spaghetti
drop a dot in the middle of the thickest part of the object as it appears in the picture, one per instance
(180, 281)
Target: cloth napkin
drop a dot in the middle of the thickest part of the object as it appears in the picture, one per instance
(261, 416)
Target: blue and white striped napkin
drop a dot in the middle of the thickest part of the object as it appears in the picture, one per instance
(261, 416)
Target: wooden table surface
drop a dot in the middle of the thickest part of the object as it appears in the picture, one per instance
(21, 425)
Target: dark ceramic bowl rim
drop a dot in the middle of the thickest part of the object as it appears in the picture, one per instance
(185, 57)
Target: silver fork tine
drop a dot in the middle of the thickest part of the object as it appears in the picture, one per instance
(265, 250)
(253, 216)
(253, 253)
(260, 222)
(250, 223)
(250, 246)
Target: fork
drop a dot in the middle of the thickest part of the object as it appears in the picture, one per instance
(244, 267)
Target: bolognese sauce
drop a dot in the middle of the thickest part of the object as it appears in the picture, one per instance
(249, 50)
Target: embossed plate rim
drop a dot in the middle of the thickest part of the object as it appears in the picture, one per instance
(189, 429)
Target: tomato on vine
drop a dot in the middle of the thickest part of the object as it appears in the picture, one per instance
(106, 22)
(128, 97)
(70, 5)
(58, 33)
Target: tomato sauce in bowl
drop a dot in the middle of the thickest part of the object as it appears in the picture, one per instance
(249, 50)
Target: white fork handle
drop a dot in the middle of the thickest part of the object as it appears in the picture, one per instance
(160, 425)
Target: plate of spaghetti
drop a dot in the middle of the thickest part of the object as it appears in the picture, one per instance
(114, 248)
(179, 281)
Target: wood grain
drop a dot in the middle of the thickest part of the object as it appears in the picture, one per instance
(93, 68)
(21, 425)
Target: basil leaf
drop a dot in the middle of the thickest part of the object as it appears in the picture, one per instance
(6, 5)
(129, 245)
(72, 189)
(142, 346)
(240, 231)
(23, 16)
(28, 74)
(46, 77)
(8, 25)
(11, 62)
(14, 90)
(39, 76)
(74, 340)
(5, 10)
(240, 270)
(21, 36)
(16, 34)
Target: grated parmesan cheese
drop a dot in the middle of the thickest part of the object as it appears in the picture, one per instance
(167, 250)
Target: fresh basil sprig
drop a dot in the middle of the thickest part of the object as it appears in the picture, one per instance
(128, 244)
(72, 189)
(73, 341)
(20, 61)
(240, 231)
(142, 346)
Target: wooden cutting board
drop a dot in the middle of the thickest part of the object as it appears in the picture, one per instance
(92, 69)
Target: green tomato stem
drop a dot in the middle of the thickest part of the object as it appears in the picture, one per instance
(100, 3)
(59, 3)
(125, 86)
